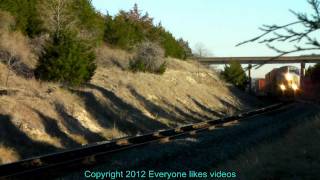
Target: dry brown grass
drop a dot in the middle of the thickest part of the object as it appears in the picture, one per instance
(8, 155)
(30, 97)
(108, 57)
(7, 21)
(17, 46)
(182, 83)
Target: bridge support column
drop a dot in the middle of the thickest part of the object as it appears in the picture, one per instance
(303, 69)
(302, 73)
(250, 79)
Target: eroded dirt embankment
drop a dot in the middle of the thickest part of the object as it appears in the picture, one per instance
(38, 117)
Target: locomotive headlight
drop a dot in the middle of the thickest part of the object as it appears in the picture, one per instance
(288, 77)
(294, 87)
(282, 87)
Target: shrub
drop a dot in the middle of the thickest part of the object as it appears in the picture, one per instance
(149, 58)
(162, 68)
(67, 60)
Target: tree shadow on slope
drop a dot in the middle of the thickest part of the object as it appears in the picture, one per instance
(155, 109)
(13, 137)
(118, 64)
(160, 111)
(246, 98)
(75, 127)
(197, 114)
(206, 109)
(188, 118)
(127, 118)
(51, 127)
(227, 104)
(16, 65)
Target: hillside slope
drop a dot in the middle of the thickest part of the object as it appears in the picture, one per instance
(38, 117)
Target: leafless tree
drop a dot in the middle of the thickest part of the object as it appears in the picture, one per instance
(302, 33)
(55, 14)
(10, 64)
(200, 50)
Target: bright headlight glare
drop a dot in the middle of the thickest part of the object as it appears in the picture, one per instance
(282, 87)
(294, 86)
(288, 77)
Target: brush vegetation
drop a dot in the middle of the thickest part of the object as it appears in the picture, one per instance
(74, 29)
(149, 57)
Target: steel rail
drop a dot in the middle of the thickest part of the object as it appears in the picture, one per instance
(88, 155)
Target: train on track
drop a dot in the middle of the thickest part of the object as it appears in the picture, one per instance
(280, 82)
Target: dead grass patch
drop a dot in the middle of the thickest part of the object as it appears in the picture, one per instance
(8, 155)
(17, 45)
(107, 57)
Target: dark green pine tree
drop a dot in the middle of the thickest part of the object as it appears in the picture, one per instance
(128, 29)
(314, 73)
(235, 74)
(26, 15)
(67, 60)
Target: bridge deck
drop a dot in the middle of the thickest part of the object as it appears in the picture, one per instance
(260, 60)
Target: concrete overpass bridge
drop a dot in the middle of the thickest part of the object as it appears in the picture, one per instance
(303, 60)
(261, 60)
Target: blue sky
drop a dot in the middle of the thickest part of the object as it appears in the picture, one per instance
(218, 24)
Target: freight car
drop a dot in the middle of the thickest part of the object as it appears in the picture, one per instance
(258, 86)
(283, 81)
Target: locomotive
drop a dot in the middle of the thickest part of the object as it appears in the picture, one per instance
(283, 82)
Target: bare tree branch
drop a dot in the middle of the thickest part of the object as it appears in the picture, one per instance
(56, 15)
(268, 29)
(290, 33)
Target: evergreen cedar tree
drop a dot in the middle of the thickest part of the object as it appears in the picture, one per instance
(128, 29)
(235, 74)
(25, 13)
(67, 60)
(314, 73)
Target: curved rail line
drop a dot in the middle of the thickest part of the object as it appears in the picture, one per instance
(88, 155)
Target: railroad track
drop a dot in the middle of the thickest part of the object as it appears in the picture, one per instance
(90, 155)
